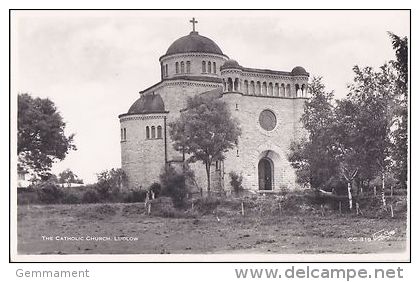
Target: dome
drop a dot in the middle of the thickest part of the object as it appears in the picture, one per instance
(148, 104)
(299, 71)
(231, 64)
(194, 43)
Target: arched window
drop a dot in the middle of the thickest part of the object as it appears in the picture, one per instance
(209, 67)
(258, 88)
(122, 137)
(304, 90)
(264, 88)
(236, 85)
(182, 67)
(125, 134)
(298, 91)
(229, 85)
(166, 70)
(203, 67)
(282, 90)
(147, 133)
(276, 89)
(159, 132)
(246, 87)
(153, 132)
(270, 89)
(252, 88)
(176, 67)
(188, 66)
(214, 67)
(288, 92)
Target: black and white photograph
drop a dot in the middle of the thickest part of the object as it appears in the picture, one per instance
(210, 135)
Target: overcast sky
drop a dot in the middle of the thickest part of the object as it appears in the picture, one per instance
(92, 64)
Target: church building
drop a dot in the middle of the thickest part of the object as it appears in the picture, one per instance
(267, 103)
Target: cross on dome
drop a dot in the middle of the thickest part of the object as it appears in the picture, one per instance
(193, 21)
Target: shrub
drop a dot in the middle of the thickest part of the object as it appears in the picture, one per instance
(207, 205)
(236, 182)
(49, 193)
(91, 196)
(135, 196)
(156, 188)
(70, 198)
(174, 185)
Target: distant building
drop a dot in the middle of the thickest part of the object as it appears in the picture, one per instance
(22, 181)
(267, 103)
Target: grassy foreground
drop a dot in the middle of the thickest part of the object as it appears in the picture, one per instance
(125, 228)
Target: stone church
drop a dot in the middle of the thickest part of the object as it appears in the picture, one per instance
(267, 103)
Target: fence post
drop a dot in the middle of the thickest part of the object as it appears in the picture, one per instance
(339, 206)
(392, 212)
(242, 209)
(374, 190)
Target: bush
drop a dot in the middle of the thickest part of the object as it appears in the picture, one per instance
(156, 188)
(135, 196)
(207, 205)
(174, 185)
(236, 182)
(49, 193)
(70, 198)
(91, 196)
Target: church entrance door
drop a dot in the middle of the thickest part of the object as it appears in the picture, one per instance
(265, 174)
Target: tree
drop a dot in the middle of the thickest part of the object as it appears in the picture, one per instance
(205, 131)
(41, 138)
(360, 137)
(67, 176)
(111, 181)
(313, 157)
(399, 150)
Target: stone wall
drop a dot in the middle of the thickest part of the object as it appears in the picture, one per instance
(142, 159)
(255, 142)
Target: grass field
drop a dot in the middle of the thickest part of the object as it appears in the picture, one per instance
(223, 232)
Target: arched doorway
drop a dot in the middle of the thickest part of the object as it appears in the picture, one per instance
(265, 174)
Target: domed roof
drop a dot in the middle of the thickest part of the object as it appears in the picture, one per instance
(194, 43)
(148, 104)
(299, 71)
(231, 64)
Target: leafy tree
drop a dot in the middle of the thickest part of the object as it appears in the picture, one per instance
(399, 136)
(41, 138)
(361, 136)
(111, 181)
(67, 176)
(313, 158)
(205, 131)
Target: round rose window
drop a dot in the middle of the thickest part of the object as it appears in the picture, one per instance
(268, 120)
